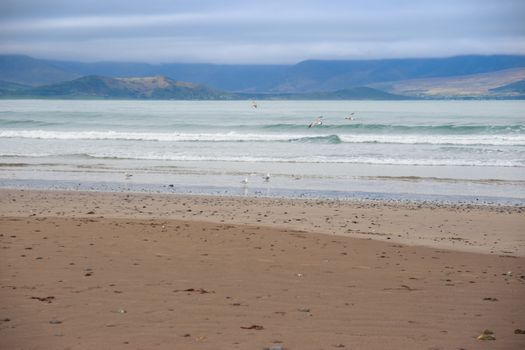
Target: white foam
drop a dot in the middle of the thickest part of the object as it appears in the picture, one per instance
(274, 159)
(497, 140)
(488, 140)
(136, 136)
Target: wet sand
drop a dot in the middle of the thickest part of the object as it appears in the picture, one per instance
(482, 229)
(139, 271)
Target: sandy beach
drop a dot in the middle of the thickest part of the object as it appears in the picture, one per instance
(84, 270)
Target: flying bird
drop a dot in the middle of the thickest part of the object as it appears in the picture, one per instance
(318, 121)
(350, 116)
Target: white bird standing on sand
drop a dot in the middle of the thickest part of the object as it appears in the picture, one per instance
(266, 177)
(128, 175)
(318, 121)
(245, 181)
(254, 105)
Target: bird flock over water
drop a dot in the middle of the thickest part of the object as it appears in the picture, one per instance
(266, 178)
(318, 121)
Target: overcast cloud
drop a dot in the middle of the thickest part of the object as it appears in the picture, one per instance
(268, 31)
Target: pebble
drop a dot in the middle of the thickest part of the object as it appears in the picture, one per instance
(486, 335)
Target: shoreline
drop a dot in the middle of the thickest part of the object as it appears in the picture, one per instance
(138, 271)
(482, 228)
(254, 191)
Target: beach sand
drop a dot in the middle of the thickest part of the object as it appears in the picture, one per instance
(84, 270)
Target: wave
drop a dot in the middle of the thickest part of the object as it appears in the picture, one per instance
(332, 139)
(276, 159)
(26, 123)
(464, 140)
(353, 127)
(409, 129)
(163, 137)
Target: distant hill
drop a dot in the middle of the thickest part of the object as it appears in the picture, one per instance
(514, 89)
(357, 93)
(31, 71)
(233, 78)
(334, 75)
(162, 88)
(497, 84)
(307, 76)
(157, 87)
(8, 88)
(453, 77)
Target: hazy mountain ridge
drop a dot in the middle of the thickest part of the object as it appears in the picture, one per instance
(454, 77)
(32, 71)
(482, 85)
(162, 88)
(235, 78)
(306, 76)
(354, 93)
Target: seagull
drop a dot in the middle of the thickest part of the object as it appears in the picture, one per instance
(254, 105)
(350, 116)
(128, 175)
(245, 181)
(266, 177)
(318, 121)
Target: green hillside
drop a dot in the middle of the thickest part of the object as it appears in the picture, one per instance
(99, 87)
(162, 88)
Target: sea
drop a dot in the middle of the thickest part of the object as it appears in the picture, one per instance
(439, 151)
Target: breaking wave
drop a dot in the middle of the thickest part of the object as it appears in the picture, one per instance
(384, 138)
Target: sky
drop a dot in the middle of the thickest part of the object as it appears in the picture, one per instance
(259, 32)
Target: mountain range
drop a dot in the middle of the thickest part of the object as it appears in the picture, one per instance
(163, 88)
(498, 76)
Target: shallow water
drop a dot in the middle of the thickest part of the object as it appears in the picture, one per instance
(409, 149)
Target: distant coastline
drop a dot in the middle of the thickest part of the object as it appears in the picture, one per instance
(475, 77)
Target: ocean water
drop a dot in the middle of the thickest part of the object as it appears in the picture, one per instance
(414, 150)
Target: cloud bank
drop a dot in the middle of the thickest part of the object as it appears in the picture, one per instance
(268, 32)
